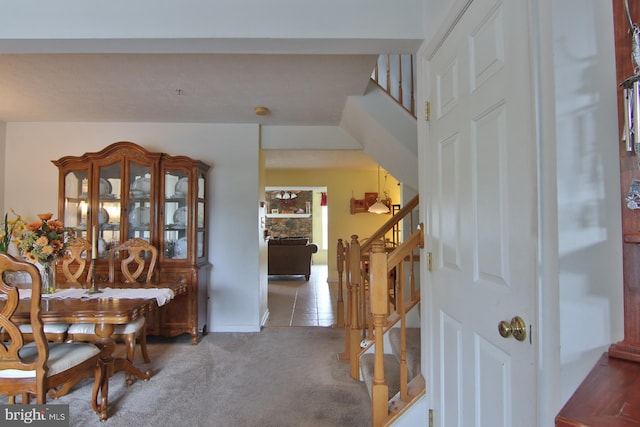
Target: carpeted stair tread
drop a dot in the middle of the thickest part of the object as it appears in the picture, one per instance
(413, 348)
(391, 372)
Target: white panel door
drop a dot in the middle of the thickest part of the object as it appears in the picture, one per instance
(483, 229)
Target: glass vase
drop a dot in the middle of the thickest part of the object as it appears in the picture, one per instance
(48, 277)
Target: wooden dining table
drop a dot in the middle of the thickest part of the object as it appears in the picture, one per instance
(105, 313)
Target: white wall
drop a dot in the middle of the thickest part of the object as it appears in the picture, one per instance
(222, 26)
(3, 127)
(374, 120)
(589, 228)
(231, 150)
(307, 138)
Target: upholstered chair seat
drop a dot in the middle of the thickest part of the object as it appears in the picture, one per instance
(62, 356)
(90, 328)
(55, 332)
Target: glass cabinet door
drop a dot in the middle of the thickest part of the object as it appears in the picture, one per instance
(140, 198)
(76, 203)
(126, 192)
(109, 207)
(176, 214)
(200, 225)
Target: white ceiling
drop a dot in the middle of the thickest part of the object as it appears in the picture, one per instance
(183, 88)
(299, 90)
(201, 62)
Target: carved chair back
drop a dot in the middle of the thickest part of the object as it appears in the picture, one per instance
(11, 349)
(76, 260)
(134, 255)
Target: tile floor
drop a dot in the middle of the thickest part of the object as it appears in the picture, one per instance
(296, 302)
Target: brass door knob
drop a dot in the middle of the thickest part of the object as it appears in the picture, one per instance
(516, 328)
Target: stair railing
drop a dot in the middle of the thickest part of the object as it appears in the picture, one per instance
(381, 264)
(379, 311)
(395, 74)
(353, 263)
(388, 226)
(365, 248)
(355, 301)
(340, 250)
(343, 267)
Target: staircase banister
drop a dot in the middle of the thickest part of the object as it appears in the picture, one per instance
(379, 296)
(415, 240)
(387, 226)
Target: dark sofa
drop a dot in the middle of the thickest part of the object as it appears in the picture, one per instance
(291, 256)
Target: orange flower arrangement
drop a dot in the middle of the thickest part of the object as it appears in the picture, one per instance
(43, 241)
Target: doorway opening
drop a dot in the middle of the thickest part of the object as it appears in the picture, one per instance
(300, 212)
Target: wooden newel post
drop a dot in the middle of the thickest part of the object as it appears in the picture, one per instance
(347, 324)
(379, 310)
(340, 308)
(354, 333)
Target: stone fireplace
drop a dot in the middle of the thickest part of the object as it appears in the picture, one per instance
(289, 213)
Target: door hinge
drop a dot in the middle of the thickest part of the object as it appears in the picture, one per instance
(429, 261)
(430, 417)
(427, 111)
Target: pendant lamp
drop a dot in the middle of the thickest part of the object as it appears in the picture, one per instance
(378, 207)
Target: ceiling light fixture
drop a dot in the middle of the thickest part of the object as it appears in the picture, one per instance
(378, 207)
(261, 111)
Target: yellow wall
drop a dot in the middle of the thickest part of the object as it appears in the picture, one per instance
(342, 184)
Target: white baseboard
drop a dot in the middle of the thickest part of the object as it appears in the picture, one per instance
(236, 328)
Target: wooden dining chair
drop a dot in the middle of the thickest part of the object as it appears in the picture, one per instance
(76, 264)
(54, 332)
(133, 257)
(141, 255)
(38, 367)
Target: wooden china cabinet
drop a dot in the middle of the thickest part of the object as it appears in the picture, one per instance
(125, 191)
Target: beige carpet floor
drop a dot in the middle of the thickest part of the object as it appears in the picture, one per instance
(279, 377)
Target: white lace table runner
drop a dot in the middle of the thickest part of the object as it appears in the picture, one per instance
(161, 295)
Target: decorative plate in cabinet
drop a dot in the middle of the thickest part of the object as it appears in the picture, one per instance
(182, 187)
(142, 184)
(180, 216)
(105, 187)
(139, 216)
(181, 248)
(103, 216)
